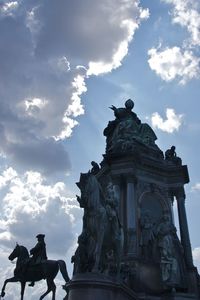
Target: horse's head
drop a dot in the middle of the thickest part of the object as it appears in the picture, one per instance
(19, 252)
(15, 253)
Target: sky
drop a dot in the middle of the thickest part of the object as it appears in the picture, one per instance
(62, 64)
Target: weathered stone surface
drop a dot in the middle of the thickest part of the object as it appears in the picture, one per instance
(131, 202)
(94, 286)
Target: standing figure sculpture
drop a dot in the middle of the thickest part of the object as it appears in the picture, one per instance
(100, 221)
(170, 271)
(147, 235)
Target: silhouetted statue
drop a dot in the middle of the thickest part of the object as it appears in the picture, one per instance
(38, 252)
(46, 269)
(100, 224)
(81, 256)
(170, 156)
(95, 168)
(126, 113)
(126, 130)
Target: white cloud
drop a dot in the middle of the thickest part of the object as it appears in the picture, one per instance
(76, 108)
(8, 7)
(31, 205)
(43, 45)
(96, 68)
(7, 175)
(196, 187)
(34, 105)
(171, 124)
(174, 63)
(196, 256)
(187, 14)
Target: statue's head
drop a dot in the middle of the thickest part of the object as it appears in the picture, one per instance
(173, 148)
(166, 217)
(40, 237)
(129, 104)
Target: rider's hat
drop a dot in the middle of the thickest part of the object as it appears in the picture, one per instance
(40, 235)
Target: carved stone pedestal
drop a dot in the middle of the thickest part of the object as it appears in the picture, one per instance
(98, 287)
(179, 296)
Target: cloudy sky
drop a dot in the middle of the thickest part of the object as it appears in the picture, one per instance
(62, 64)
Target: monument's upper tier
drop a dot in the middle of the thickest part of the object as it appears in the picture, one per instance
(127, 131)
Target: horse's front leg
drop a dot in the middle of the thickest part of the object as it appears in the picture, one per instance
(23, 285)
(13, 279)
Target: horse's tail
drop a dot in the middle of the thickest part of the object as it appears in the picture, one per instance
(63, 270)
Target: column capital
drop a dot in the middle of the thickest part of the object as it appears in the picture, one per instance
(179, 193)
(130, 178)
(116, 180)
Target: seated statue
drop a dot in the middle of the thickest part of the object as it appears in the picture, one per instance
(95, 168)
(170, 156)
(126, 129)
(38, 253)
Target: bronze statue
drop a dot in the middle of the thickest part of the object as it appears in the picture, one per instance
(38, 252)
(25, 272)
(170, 268)
(126, 130)
(147, 235)
(100, 222)
(95, 168)
(171, 156)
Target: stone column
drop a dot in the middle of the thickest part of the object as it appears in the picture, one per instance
(131, 215)
(184, 232)
(116, 186)
(171, 202)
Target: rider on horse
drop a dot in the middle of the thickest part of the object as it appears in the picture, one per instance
(38, 253)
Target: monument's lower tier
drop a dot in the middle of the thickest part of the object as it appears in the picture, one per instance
(91, 286)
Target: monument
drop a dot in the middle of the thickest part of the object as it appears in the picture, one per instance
(129, 247)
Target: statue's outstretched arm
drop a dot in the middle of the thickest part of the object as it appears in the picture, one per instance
(113, 107)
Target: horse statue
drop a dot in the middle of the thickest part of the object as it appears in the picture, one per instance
(105, 231)
(26, 272)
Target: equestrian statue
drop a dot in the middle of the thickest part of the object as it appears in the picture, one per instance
(35, 268)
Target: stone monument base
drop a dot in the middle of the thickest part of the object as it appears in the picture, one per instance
(93, 286)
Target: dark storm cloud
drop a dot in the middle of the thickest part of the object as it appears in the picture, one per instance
(86, 30)
(46, 156)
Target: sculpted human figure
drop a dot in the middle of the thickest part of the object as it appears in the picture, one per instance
(100, 219)
(126, 113)
(147, 235)
(126, 129)
(38, 252)
(125, 119)
(170, 155)
(81, 256)
(112, 209)
(95, 168)
(168, 261)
